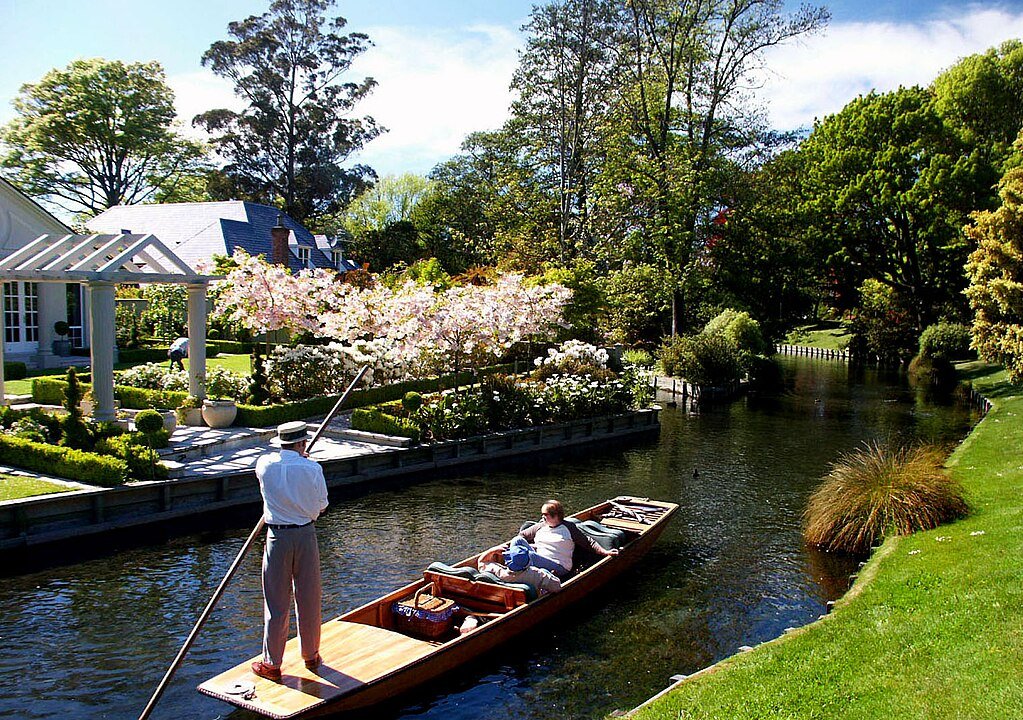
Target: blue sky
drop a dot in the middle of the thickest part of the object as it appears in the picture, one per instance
(444, 65)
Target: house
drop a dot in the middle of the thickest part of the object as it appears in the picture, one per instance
(31, 309)
(197, 231)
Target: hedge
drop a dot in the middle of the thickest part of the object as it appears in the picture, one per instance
(374, 421)
(50, 391)
(271, 415)
(63, 462)
(15, 371)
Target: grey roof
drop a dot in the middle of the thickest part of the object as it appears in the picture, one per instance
(197, 231)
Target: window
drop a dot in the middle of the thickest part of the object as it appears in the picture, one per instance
(31, 312)
(304, 255)
(337, 258)
(12, 313)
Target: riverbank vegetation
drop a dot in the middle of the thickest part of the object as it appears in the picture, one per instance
(931, 626)
(879, 490)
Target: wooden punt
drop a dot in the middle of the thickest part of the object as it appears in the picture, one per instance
(367, 661)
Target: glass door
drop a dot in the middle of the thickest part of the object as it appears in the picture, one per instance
(21, 317)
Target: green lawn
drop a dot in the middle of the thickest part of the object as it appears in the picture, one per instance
(933, 627)
(825, 335)
(237, 363)
(13, 487)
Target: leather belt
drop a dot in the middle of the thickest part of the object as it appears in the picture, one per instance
(288, 527)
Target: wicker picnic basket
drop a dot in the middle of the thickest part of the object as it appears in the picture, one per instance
(424, 615)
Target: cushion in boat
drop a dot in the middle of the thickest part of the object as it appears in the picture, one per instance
(530, 591)
(467, 573)
(606, 537)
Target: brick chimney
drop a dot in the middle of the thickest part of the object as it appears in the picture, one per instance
(279, 242)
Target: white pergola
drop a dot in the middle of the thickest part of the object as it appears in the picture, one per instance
(101, 262)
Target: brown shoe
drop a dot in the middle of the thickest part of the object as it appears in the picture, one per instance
(314, 662)
(266, 671)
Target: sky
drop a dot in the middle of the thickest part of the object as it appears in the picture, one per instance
(444, 66)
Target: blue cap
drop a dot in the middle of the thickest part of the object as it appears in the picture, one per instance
(516, 558)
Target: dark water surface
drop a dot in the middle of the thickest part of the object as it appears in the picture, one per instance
(93, 639)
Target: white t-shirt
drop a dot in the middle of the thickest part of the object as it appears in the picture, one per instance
(293, 488)
(555, 543)
(180, 345)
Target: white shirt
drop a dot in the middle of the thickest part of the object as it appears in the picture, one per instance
(555, 543)
(293, 488)
(180, 345)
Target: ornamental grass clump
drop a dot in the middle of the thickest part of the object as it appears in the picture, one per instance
(877, 491)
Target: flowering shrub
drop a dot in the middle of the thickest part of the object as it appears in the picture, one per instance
(220, 382)
(306, 371)
(574, 351)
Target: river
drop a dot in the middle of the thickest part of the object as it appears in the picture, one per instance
(92, 638)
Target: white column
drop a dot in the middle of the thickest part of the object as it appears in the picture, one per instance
(101, 342)
(52, 307)
(3, 337)
(197, 340)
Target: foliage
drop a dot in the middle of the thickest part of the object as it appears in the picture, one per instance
(879, 491)
(75, 432)
(707, 360)
(66, 462)
(639, 357)
(15, 370)
(259, 393)
(288, 144)
(220, 382)
(946, 341)
(884, 324)
(995, 270)
(167, 313)
(98, 134)
(149, 422)
(892, 184)
(411, 402)
(137, 452)
(389, 201)
(740, 330)
(636, 302)
(374, 421)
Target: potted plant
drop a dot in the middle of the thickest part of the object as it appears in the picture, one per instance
(62, 346)
(189, 412)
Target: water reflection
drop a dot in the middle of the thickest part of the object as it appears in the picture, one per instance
(91, 639)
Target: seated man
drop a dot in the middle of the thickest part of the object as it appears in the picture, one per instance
(512, 565)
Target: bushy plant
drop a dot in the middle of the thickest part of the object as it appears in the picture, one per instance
(946, 341)
(149, 422)
(307, 371)
(154, 376)
(411, 402)
(739, 329)
(74, 430)
(639, 358)
(883, 325)
(449, 417)
(375, 421)
(32, 423)
(705, 360)
(877, 491)
(223, 383)
(507, 404)
(86, 467)
(135, 451)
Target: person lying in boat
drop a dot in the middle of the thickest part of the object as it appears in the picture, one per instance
(551, 542)
(512, 565)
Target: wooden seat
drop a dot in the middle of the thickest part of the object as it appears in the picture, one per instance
(476, 595)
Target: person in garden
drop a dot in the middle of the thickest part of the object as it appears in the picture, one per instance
(512, 565)
(178, 351)
(552, 541)
(294, 495)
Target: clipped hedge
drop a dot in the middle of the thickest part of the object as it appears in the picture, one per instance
(374, 421)
(50, 391)
(141, 355)
(270, 415)
(15, 371)
(79, 465)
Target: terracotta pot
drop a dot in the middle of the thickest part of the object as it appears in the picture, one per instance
(219, 413)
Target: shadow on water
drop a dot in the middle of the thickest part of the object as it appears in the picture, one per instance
(91, 639)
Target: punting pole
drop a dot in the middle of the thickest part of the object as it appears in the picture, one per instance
(235, 565)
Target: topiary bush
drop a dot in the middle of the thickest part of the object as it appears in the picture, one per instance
(149, 422)
(411, 402)
(946, 341)
(877, 491)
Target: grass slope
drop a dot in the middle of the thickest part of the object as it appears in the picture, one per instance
(825, 335)
(933, 627)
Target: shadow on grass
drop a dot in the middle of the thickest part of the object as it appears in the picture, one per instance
(989, 379)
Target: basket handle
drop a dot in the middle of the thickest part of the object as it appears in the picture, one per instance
(415, 599)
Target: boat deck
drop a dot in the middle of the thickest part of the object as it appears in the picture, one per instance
(366, 653)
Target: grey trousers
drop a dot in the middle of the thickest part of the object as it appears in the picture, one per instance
(291, 564)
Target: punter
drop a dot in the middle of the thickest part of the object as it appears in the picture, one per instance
(294, 495)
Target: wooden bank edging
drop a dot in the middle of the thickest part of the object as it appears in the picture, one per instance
(54, 518)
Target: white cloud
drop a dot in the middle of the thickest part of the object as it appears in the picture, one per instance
(198, 92)
(821, 74)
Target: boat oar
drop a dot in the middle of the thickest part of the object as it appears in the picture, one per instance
(235, 565)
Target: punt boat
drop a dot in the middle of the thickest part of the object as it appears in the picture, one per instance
(369, 657)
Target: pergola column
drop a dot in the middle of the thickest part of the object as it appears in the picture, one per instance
(197, 340)
(52, 307)
(101, 342)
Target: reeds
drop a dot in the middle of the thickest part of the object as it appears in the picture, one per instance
(876, 491)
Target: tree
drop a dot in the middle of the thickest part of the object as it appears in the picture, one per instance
(288, 145)
(891, 183)
(685, 114)
(995, 270)
(392, 199)
(98, 134)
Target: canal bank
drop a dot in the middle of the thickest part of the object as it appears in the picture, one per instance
(207, 482)
(931, 627)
